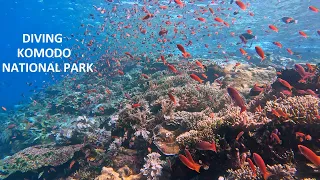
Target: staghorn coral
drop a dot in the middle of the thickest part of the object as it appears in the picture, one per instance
(301, 109)
(231, 116)
(285, 172)
(152, 168)
(243, 173)
(35, 157)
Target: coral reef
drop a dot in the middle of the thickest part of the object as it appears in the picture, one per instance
(35, 157)
(130, 125)
(152, 168)
(301, 109)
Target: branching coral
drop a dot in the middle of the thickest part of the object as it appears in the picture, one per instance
(279, 171)
(231, 116)
(152, 168)
(301, 109)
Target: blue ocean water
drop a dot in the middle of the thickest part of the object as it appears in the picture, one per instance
(41, 16)
(32, 17)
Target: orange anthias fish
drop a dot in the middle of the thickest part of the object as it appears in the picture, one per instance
(303, 34)
(241, 5)
(282, 114)
(202, 19)
(180, 3)
(260, 163)
(278, 44)
(204, 76)
(72, 163)
(3, 108)
(243, 52)
(253, 167)
(274, 28)
(195, 77)
(172, 68)
(314, 9)
(234, 94)
(204, 145)
(290, 51)
(120, 72)
(275, 112)
(285, 83)
(239, 135)
(172, 98)
(128, 54)
(200, 64)
(135, 105)
(276, 137)
(145, 76)
(218, 19)
(189, 162)
(309, 154)
(184, 52)
(260, 52)
(188, 155)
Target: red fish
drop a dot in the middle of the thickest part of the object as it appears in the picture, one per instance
(300, 70)
(243, 52)
(218, 19)
(282, 114)
(145, 76)
(181, 48)
(260, 52)
(285, 83)
(278, 44)
(189, 164)
(135, 105)
(239, 135)
(253, 167)
(276, 137)
(202, 19)
(188, 154)
(180, 3)
(290, 51)
(211, 10)
(274, 28)
(234, 94)
(163, 59)
(260, 163)
(314, 9)
(195, 77)
(303, 34)
(241, 5)
(72, 163)
(172, 68)
(127, 53)
(309, 154)
(3, 108)
(172, 98)
(204, 145)
(200, 64)
(121, 72)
